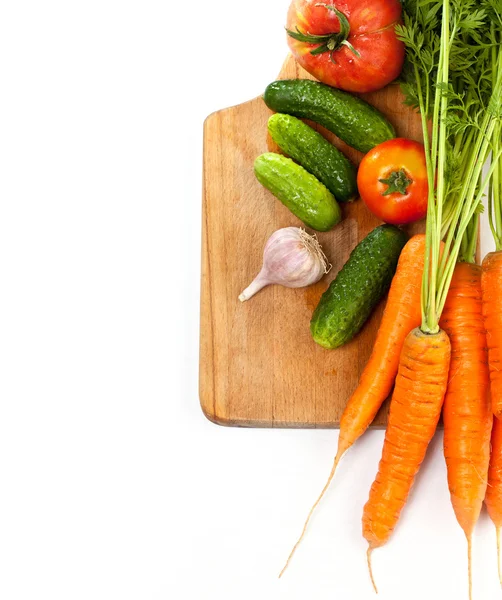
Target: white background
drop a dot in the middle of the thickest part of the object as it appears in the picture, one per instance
(112, 483)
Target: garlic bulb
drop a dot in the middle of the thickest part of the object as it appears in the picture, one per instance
(292, 258)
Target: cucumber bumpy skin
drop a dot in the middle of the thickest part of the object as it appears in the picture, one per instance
(353, 120)
(314, 153)
(358, 287)
(305, 196)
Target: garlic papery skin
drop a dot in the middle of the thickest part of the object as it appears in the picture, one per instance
(291, 258)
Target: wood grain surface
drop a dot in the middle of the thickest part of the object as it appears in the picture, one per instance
(259, 366)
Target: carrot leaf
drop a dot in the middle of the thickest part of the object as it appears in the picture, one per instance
(453, 76)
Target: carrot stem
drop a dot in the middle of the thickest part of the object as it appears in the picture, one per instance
(495, 193)
(469, 211)
(473, 236)
(430, 174)
(436, 156)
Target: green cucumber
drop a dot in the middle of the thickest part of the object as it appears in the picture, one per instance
(315, 154)
(358, 287)
(354, 121)
(304, 195)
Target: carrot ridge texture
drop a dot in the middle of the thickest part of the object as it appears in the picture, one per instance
(493, 499)
(467, 411)
(402, 314)
(492, 312)
(414, 413)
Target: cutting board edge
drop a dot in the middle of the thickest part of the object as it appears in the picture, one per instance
(205, 312)
(218, 112)
(258, 424)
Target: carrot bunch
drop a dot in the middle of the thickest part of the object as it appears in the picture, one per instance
(431, 345)
(444, 362)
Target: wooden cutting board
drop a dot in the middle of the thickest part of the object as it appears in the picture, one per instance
(259, 366)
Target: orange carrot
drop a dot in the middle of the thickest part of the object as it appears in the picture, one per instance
(467, 410)
(493, 498)
(402, 314)
(414, 413)
(425, 359)
(492, 311)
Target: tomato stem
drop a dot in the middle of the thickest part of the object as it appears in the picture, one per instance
(398, 181)
(330, 42)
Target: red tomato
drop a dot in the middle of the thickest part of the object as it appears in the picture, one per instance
(392, 181)
(348, 44)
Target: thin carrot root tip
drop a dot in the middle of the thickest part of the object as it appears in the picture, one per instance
(304, 530)
(469, 560)
(370, 569)
(498, 556)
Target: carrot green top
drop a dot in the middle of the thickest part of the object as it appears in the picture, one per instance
(469, 242)
(453, 77)
(495, 193)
